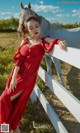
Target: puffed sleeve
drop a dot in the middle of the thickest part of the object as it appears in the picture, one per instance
(49, 46)
(20, 55)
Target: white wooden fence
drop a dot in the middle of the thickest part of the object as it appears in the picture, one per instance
(70, 102)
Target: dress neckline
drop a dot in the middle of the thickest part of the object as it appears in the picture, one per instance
(32, 45)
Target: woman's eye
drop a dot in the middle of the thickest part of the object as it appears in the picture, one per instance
(37, 26)
(30, 28)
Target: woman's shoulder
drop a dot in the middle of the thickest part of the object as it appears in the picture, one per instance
(24, 41)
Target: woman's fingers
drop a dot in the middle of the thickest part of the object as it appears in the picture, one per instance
(11, 87)
(64, 45)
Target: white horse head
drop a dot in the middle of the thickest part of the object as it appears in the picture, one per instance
(26, 11)
(52, 30)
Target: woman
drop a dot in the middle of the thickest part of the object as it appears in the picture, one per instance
(22, 79)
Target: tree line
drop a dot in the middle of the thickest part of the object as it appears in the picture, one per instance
(12, 25)
(9, 24)
(69, 26)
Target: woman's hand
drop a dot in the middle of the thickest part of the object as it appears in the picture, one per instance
(13, 84)
(63, 45)
(14, 80)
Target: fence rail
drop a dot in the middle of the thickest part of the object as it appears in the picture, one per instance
(70, 102)
(71, 56)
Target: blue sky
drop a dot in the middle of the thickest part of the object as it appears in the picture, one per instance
(62, 11)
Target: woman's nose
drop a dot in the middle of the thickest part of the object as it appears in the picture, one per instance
(34, 30)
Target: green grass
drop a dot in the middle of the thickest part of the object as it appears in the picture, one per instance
(36, 114)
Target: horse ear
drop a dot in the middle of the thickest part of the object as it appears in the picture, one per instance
(21, 5)
(29, 5)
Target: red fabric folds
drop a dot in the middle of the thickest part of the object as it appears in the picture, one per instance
(49, 46)
(21, 54)
(29, 59)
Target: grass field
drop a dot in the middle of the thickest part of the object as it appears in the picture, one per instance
(34, 111)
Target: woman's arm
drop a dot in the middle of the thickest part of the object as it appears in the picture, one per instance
(15, 71)
(13, 81)
(62, 44)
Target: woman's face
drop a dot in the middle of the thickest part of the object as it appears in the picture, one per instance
(33, 28)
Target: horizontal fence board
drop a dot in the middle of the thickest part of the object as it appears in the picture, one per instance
(70, 101)
(50, 112)
(71, 56)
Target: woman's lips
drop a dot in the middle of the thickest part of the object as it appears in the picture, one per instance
(36, 32)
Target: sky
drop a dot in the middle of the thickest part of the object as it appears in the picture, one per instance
(61, 11)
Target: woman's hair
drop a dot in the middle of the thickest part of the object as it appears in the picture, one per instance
(23, 28)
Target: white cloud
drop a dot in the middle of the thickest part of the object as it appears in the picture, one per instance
(7, 17)
(5, 13)
(76, 13)
(41, 2)
(25, 5)
(45, 8)
(16, 15)
(63, 15)
(51, 19)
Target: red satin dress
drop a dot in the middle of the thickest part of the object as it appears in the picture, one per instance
(28, 58)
